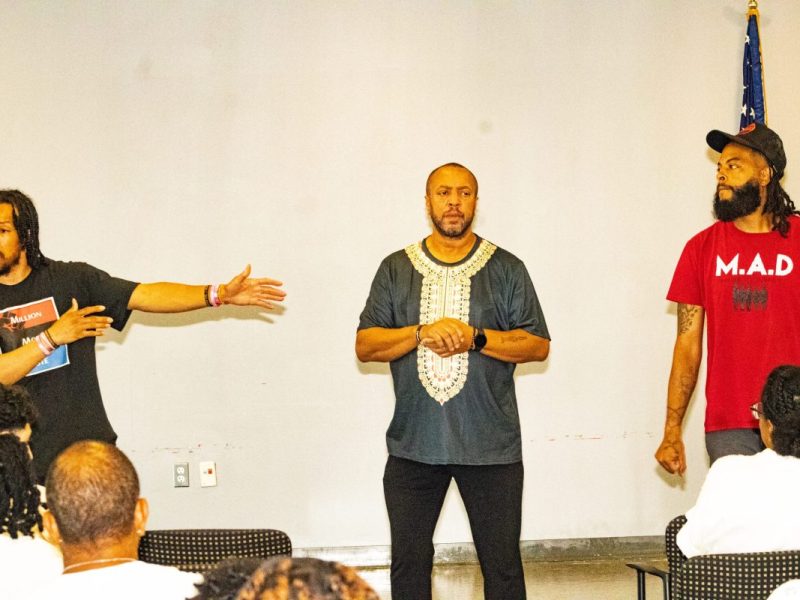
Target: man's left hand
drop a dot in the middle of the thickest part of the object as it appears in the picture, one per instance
(447, 337)
(243, 291)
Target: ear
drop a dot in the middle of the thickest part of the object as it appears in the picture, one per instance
(51, 532)
(764, 176)
(140, 514)
(766, 427)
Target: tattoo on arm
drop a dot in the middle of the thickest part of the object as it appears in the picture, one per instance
(675, 415)
(686, 317)
(511, 338)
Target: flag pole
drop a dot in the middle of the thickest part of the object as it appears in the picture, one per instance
(752, 11)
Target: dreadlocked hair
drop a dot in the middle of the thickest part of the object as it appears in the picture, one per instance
(225, 580)
(780, 206)
(19, 496)
(26, 222)
(284, 578)
(781, 402)
(16, 408)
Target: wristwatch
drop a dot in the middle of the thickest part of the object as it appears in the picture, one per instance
(478, 339)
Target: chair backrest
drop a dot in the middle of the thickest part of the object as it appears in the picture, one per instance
(198, 550)
(745, 576)
(675, 558)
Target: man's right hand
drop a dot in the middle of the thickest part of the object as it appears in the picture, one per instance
(447, 336)
(671, 454)
(79, 323)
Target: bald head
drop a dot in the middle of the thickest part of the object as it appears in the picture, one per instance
(92, 490)
(449, 166)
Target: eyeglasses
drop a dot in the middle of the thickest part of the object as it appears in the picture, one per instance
(757, 410)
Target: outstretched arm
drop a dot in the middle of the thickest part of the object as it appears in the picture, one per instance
(177, 297)
(682, 380)
(71, 326)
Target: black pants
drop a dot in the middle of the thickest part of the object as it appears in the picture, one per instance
(492, 495)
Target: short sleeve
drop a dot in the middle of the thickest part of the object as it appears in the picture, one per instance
(378, 310)
(525, 311)
(112, 292)
(686, 286)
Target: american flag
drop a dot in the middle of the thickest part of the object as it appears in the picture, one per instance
(753, 105)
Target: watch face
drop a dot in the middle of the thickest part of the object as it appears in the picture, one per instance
(480, 340)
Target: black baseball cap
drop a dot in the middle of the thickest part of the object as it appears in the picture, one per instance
(755, 136)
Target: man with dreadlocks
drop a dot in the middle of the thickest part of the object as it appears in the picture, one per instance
(52, 311)
(740, 275)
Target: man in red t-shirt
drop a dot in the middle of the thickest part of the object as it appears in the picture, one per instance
(742, 274)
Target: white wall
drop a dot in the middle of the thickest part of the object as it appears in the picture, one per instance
(179, 140)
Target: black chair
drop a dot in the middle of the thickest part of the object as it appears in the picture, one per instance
(198, 550)
(745, 576)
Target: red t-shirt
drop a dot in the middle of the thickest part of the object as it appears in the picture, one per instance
(749, 286)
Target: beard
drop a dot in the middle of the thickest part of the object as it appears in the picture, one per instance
(8, 263)
(455, 230)
(745, 200)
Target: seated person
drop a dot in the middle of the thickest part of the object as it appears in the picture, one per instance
(26, 558)
(17, 412)
(17, 416)
(284, 578)
(96, 516)
(225, 580)
(749, 503)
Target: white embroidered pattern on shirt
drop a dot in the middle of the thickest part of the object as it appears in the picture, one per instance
(445, 293)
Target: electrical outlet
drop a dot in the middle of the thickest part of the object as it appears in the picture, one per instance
(180, 475)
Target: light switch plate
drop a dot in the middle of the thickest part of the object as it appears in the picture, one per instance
(208, 473)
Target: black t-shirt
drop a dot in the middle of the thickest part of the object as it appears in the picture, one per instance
(461, 409)
(64, 385)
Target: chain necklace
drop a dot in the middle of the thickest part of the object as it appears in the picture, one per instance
(98, 561)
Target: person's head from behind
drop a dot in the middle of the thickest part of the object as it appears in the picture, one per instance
(284, 578)
(779, 411)
(19, 496)
(93, 500)
(17, 412)
(225, 580)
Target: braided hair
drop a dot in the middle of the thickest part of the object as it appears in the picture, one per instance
(26, 222)
(19, 496)
(284, 578)
(780, 206)
(781, 402)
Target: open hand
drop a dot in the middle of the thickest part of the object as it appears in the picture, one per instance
(243, 291)
(79, 323)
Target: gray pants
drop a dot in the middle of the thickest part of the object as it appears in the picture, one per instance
(733, 441)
